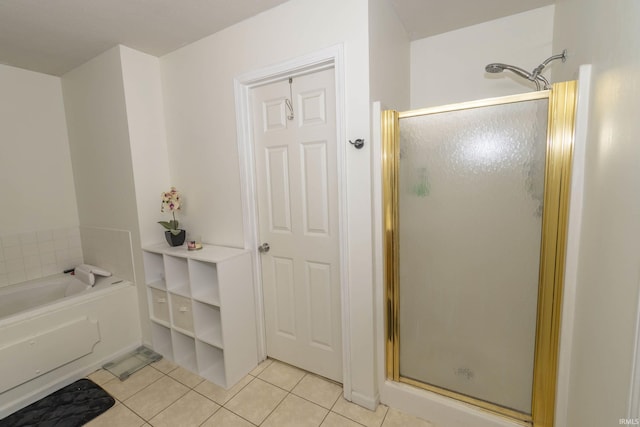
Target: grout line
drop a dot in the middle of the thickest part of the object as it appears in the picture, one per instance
(325, 417)
(220, 404)
(384, 418)
(299, 381)
(147, 386)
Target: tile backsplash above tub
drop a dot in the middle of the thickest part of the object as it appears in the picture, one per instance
(35, 254)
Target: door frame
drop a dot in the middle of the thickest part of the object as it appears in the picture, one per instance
(331, 57)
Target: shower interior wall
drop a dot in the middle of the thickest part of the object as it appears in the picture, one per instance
(449, 68)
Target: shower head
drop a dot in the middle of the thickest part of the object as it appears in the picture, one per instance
(497, 67)
(494, 68)
(534, 76)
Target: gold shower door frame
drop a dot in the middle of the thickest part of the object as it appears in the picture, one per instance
(560, 137)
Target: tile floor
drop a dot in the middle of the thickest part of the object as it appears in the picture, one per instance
(272, 395)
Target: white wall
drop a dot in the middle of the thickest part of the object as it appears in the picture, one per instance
(148, 144)
(35, 165)
(98, 126)
(99, 141)
(200, 107)
(147, 136)
(449, 68)
(605, 34)
(39, 233)
(389, 57)
(201, 134)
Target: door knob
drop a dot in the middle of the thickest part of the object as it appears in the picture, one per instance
(264, 248)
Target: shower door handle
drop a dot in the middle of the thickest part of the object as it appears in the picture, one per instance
(263, 248)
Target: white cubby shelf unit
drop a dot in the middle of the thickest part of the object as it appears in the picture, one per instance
(202, 311)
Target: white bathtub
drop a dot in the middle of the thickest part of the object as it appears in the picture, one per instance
(56, 330)
(24, 296)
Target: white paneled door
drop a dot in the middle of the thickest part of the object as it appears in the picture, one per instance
(296, 171)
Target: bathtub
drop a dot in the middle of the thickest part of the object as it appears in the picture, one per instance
(56, 330)
(25, 296)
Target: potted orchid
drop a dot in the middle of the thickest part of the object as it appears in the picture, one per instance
(172, 202)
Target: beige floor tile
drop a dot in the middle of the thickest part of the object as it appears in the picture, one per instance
(152, 398)
(256, 401)
(118, 415)
(164, 365)
(335, 420)
(217, 393)
(360, 414)
(122, 390)
(150, 401)
(192, 409)
(261, 367)
(224, 418)
(101, 376)
(282, 375)
(396, 418)
(318, 390)
(186, 377)
(296, 412)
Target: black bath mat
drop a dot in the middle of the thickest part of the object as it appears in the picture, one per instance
(71, 406)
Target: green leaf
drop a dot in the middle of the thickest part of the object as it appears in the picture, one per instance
(175, 232)
(166, 224)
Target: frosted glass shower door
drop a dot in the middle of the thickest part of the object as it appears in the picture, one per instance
(470, 197)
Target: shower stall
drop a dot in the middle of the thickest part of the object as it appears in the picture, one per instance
(475, 207)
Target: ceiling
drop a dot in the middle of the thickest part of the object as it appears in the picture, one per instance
(424, 18)
(55, 36)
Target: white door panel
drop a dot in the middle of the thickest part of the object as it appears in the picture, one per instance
(315, 192)
(296, 170)
(277, 175)
(284, 297)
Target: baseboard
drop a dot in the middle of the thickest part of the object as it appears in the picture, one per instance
(369, 402)
(438, 409)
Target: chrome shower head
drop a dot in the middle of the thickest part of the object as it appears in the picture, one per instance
(535, 76)
(497, 67)
(494, 68)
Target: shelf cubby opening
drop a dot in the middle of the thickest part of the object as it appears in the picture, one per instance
(211, 363)
(154, 269)
(177, 275)
(184, 351)
(204, 281)
(161, 339)
(207, 323)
